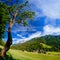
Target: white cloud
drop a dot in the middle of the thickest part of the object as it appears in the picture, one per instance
(50, 8)
(23, 29)
(49, 29)
(34, 35)
(19, 35)
(15, 40)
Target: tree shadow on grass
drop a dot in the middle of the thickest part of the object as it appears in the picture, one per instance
(0, 49)
(9, 57)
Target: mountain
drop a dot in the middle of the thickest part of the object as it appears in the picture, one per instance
(46, 43)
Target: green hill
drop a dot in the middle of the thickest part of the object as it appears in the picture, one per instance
(46, 43)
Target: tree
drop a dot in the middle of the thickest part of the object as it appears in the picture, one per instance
(11, 13)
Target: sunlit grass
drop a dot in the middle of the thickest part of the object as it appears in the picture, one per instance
(24, 55)
(20, 55)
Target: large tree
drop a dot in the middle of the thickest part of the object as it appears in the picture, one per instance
(11, 13)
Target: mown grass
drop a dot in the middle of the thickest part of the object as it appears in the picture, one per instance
(20, 55)
(23, 55)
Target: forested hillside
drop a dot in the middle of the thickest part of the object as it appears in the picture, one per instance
(45, 43)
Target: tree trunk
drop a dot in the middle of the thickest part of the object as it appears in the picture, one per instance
(8, 43)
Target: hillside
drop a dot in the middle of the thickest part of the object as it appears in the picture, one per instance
(46, 43)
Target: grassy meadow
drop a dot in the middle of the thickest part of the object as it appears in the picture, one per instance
(20, 55)
(24, 55)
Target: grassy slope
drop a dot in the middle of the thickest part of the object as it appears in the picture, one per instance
(20, 55)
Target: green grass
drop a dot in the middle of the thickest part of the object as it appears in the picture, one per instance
(45, 46)
(20, 55)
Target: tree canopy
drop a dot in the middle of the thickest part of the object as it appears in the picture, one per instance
(9, 8)
(3, 18)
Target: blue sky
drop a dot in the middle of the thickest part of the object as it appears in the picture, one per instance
(46, 21)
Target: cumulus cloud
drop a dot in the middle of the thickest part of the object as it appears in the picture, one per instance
(50, 8)
(51, 30)
(47, 30)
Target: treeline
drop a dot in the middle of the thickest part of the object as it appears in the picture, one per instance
(45, 43)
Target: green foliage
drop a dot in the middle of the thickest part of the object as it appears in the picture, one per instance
(2, 43)
(24, 16)
(9, 57)
(27, 14)
(7, 11)
(3, 18)
(46, 43)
